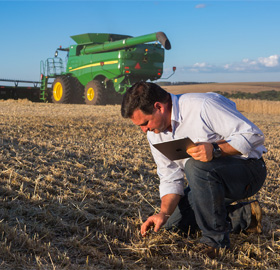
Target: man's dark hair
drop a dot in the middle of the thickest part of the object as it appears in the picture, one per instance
(143, 96)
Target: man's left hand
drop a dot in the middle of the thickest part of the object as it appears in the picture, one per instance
(202, 152)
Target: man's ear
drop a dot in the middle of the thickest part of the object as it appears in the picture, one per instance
(158, 106)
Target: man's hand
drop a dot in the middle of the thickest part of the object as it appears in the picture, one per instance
(157, 221)
(168, 205)
(202, 152)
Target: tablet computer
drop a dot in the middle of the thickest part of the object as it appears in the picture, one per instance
(176, 149)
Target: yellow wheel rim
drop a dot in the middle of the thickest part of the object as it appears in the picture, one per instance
(57, 91)
(90, 94)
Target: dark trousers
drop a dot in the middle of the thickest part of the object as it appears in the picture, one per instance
(212, 188)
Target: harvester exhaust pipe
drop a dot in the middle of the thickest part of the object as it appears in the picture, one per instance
(162, 38)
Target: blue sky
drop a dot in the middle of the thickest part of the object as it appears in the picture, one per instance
(212, 41)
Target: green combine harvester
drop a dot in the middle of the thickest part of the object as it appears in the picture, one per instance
(101, 67)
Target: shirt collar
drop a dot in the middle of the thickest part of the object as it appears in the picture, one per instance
(176, 118)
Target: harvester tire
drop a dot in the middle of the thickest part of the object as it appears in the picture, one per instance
(62, 90)
(94, 93)
(114, 97)
(77, 91)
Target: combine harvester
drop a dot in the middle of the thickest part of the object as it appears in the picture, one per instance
(99, 70)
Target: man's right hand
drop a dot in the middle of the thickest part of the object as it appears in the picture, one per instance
(168, 205)
(156, 221)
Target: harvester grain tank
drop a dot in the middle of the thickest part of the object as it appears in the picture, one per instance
(100, 67)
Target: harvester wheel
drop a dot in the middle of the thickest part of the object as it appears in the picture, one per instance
(112, 96)
(77, 91)
(62, 90)
(94, 93)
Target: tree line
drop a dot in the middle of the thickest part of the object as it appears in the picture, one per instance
(263, 95)
(163, 83)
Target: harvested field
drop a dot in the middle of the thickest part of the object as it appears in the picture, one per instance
(77, 181)
(224, 87)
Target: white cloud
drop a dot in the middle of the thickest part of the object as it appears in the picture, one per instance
(262, 64)
(271, 61)
(200, 6)
(200, 65)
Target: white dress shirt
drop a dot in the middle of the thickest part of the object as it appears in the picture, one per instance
(203, 117)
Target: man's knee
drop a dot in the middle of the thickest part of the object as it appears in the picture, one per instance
(193, 168)
(191, 164)
(198, 172)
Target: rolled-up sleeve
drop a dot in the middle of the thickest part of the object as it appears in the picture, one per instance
(170, 174)
(246, 142)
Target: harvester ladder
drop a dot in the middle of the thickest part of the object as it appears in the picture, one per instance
(43, 88)
(50, 69)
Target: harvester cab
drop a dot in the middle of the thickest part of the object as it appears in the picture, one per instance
(101, 67)
(61, 49)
